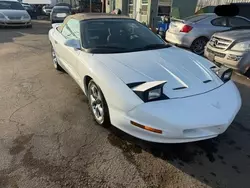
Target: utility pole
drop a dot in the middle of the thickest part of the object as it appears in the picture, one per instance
(90, 5)
(103, 6)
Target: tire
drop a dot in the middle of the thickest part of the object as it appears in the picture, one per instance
(247, 74)
(98, 104)
(198, 45)
(29, 26)
(54, 60)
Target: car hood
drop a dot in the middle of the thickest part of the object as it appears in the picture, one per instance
(239, 34)
(186, 74)
(17, 13)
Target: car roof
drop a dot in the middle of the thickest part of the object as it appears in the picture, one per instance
(91, 16)
(58, 7)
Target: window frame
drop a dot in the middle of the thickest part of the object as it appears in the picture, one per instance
(144, 4)
(220, 18)
(164, 4)
(238, 17)
(131, 6)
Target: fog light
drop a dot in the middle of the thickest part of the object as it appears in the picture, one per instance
(234, 57)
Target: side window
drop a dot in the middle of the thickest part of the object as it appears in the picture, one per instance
(72, 29)
(66, 32)
(237, 22)
(221, 22)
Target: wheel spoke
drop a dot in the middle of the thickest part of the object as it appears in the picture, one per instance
(100, 110)
(96, 103)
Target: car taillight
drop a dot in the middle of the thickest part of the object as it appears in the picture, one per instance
(186, 28)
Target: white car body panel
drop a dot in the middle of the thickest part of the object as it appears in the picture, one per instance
(178, 67)
(201, 107)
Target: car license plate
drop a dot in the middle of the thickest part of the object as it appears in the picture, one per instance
(211, 57)
(61, 15)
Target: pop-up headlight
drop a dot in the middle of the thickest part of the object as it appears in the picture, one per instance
(150, 91)
(223, 72)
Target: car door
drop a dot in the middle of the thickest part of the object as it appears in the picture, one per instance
(68, 54)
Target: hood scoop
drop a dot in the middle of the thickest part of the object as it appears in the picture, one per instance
(207, 81)
(179, 88)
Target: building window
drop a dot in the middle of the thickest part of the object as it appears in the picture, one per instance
(164, 7)
(130, 7)
(144, 7)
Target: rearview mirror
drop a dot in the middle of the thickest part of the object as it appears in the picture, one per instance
(73, 43)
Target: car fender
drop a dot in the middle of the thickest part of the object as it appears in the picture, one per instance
(117, 94)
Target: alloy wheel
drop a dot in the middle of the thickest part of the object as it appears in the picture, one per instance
(96, 103)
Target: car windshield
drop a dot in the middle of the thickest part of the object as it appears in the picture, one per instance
(118, 35)
(61, 10)
(11, 5)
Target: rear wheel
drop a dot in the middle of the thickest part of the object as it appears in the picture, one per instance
(198, 45)
(97, 104)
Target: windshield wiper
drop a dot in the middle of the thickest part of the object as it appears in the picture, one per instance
(156, 46)
(152, 47)
(110, 47)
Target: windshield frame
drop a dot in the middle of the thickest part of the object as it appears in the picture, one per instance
(11, 3)
(109, 51)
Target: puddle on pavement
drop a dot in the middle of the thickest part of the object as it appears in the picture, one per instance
(171, 152)
(19, 144)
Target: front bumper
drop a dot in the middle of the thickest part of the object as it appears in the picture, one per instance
(239, 61)
(180, 39)
(15, 23)
(182, 120)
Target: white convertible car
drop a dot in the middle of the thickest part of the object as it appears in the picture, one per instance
(142, 85)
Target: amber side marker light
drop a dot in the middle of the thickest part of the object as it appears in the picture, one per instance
(146, 127)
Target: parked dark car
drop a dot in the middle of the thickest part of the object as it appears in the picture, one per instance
(30, 9)
(59, 13)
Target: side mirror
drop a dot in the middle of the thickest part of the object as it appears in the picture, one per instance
(73, 43)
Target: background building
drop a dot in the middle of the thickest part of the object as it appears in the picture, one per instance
(150, 11)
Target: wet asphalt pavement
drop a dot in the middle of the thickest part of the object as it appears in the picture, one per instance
(49, 139)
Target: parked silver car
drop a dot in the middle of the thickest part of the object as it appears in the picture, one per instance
(195, 31)
(59, 13)
(12, 13)
(231, 49)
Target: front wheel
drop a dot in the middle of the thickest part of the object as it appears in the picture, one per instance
(54, 59)
(98, 105)
(198, 45)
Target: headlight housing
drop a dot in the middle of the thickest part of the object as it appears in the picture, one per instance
(241, 46)
(2, 16)
(26, 16)
(149, 91)
(224, 73)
